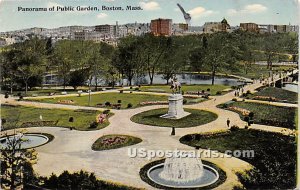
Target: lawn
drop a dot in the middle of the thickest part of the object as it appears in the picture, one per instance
(108, 142)
(18, 115)
(166, 88)
(268, 114)
(278, 93)
(274, 155)
(126, 98)
(196, 118)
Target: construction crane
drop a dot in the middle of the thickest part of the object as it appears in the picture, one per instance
(186, 15)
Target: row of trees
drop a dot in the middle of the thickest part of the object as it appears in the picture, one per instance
(78, 62)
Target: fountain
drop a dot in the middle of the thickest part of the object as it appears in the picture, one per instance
(28, 140)
(182, 169)
(182, 172)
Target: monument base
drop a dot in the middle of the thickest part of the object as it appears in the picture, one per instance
(175, 108)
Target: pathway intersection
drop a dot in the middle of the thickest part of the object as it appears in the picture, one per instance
(71, 150)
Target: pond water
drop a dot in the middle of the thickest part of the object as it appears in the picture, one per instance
(184, 79)
(291, 87)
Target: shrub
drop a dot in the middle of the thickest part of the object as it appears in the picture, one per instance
(208, 90)
(121, 91)
(130, 91)
(202, 91)
(94, 125)
(3, 121)
(106, 111)
(246, 127)
(246, 119)
(234, 128)
(182, 92)
(107, 104)
(251, 114)
(137, 89)
(131, 87)
(129, 105)
(71, 119)
(234, 99)
(225, 105)
(21, 98)
(248, 92)
(218, 93)
(119, 101)
(184, 101)
(6, 95)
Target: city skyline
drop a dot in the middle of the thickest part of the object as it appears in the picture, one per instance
(235, 11)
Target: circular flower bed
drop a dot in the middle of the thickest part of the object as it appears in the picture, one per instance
(114, 141)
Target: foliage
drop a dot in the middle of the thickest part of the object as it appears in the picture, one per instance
(78, 78)
(80, 180)
(13, 160)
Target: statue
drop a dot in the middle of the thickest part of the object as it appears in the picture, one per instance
(175, 86)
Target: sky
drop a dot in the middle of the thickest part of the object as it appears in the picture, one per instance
(201, 11)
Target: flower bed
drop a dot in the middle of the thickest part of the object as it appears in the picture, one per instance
(65, 102)
(101, 118)
(154, 103)
(243, 111)
(265, 98)
(114, 141)
(189, 96)
(39, 123)
(197, 93)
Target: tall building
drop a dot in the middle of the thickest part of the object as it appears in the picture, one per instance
(161, 27)
(251, 27)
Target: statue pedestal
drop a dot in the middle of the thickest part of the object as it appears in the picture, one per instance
(175, 107)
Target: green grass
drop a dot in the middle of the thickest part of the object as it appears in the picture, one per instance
(274, 155)
(113, 98)
(166, 88)
(278, 93)
(196, 118)
(270, 115)
(16, 115)
(100, 143)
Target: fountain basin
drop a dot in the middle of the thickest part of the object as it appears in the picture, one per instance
(28, 140)
(210, 176)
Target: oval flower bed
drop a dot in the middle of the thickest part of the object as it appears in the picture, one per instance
(154, 103)
(243, 111)
(108, 142)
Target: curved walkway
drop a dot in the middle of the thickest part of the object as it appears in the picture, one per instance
(71, 150)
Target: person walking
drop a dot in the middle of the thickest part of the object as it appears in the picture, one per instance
(228, 122)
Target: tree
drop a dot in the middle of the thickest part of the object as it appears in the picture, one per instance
(78, 78)
(220, 53)
(13, 160)
(173, 60)
(152, 49)
(129, 60)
